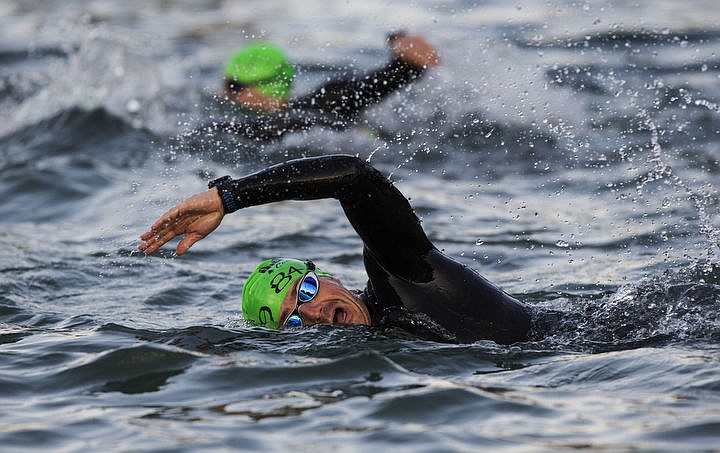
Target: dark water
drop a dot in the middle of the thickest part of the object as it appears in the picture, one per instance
(569, 151)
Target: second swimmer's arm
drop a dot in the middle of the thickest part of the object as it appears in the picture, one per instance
(343, 100)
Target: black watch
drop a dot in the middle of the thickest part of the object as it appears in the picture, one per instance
(225, 191)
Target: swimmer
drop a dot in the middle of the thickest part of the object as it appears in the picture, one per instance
(411, 284)
(259, 78)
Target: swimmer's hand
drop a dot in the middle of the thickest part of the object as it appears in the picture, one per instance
(195, 217)
(414, 50)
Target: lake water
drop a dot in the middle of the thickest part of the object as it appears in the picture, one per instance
(567, 150)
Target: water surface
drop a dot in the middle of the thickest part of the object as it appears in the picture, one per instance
(568, 151)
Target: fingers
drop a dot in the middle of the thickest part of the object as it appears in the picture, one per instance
(159, 234)
(164, 229)
(173, 215)
(194, 217)
(156, 238)
(160, 225)
(155, 241)
(187, 242)
(148, 248)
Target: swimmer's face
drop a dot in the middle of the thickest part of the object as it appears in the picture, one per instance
(333, 304)
(251, 98)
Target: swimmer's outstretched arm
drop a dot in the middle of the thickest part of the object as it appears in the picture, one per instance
(377, 210)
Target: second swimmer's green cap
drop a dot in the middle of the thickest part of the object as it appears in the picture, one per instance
(266, 287)
(264, 66)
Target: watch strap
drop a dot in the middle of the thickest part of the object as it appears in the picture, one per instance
(224, 189)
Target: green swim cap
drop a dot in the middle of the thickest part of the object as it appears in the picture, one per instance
(265, 289)
(264, 66)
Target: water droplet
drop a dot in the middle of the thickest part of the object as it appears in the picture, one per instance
(133, 106)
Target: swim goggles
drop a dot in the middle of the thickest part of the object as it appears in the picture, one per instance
(307, 289)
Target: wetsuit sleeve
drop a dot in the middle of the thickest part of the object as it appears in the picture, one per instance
(344, 100)
(377, 210)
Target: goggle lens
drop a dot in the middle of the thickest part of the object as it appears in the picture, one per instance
(308, 288)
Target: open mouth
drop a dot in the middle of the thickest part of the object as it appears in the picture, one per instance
(340, 316)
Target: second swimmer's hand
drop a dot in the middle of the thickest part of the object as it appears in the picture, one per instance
(195, 217)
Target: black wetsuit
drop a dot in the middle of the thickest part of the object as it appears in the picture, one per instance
(411, 283)
(336, 104)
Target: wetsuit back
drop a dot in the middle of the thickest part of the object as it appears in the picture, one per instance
(411, 283)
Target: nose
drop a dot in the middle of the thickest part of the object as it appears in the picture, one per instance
(311, 312)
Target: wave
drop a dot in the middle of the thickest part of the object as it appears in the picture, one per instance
(64, 159)
(135, 369)
(679, 307)
(75, 131)
(618, 39)
(19, 78)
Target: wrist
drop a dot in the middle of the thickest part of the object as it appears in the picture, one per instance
(224, 190)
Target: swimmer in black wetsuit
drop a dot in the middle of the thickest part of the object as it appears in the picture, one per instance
(411, 284)
(258, 78)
